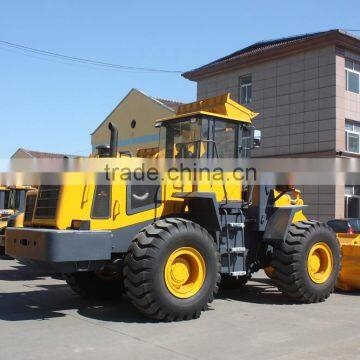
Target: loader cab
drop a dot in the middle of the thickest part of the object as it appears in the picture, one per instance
(216, 128)
(207, 137)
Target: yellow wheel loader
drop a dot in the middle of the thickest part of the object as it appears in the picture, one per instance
(12, 206)
(170, 245)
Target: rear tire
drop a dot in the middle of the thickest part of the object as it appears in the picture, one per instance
(291, 262)
(146, 264)
(91, 285)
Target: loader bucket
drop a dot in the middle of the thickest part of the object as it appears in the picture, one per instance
(349, 278)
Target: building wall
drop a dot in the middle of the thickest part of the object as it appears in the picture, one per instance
(347, 108)
(135, 106)
(296, 97)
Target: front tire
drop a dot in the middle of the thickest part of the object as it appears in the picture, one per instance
(307, 264)
(171, 271)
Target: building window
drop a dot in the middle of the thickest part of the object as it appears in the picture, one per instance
(245, 92)
(352, 136)
(352, 72)
(352, 201)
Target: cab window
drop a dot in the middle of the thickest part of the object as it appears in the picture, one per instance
(185, 139)
(225, 134)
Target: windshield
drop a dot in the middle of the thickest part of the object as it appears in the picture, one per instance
(204, 137)
(185, 139)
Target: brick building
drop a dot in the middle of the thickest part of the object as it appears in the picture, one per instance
(306, 89)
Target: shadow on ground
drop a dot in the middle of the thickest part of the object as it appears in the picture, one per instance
(54, 301)
(5, 257)
(258, 291)
(44, 302)
(19, 272)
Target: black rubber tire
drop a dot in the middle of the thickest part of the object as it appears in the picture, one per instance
(230, 282)
(290, 262)
(144, 269)
(90, 286)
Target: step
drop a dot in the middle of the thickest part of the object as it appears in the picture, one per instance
(238, 273)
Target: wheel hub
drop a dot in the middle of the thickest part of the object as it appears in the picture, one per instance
(180, 271)
(185, 272)
(320, 263)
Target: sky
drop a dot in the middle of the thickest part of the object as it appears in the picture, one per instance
(54, 105)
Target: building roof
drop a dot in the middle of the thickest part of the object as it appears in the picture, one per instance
(264, 50)
(44, 155)
(170, 103)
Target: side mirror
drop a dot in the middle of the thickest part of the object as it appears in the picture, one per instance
(256, 138)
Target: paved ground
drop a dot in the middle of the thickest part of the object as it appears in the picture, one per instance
(40, 318)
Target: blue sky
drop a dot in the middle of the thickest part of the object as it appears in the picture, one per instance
(53, 105)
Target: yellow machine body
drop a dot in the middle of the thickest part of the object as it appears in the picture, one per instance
(75, 201)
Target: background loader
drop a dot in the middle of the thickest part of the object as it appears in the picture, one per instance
(12, 207)
(170, 245)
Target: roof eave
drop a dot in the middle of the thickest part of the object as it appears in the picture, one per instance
(335, 37)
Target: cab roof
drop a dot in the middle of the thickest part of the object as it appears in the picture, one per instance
(219, 106)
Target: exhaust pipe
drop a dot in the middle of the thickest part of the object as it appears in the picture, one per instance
(113, 140)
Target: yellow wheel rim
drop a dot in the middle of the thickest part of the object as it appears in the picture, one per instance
(320, 263)
(185, 272)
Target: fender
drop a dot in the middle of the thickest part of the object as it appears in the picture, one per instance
(279, 222)
(203, 208)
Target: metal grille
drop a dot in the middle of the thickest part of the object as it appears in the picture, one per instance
(29, 207)
(47, 202)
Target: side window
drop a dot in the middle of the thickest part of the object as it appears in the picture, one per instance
(352, 72)
(102, 202)
(225, 138)
(245, 143)
(245, 89)
(352, 136)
